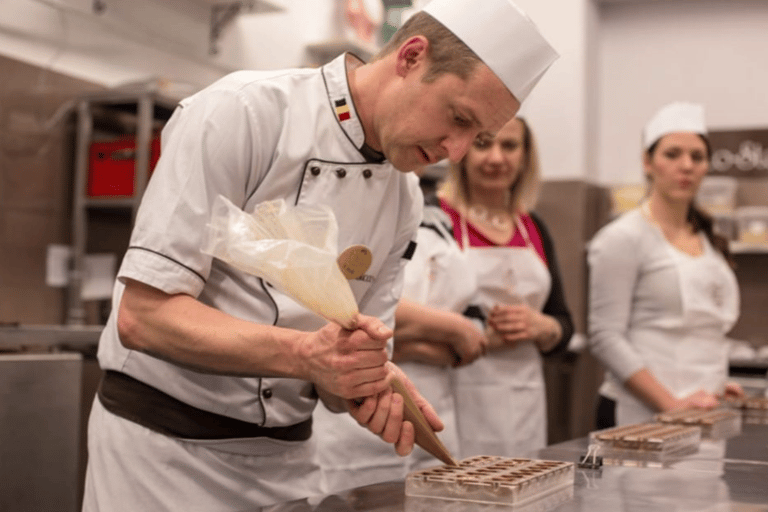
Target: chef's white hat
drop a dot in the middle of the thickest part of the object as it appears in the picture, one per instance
(675, 117)
(502, 35)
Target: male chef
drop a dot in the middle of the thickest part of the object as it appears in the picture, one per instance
(211, 374)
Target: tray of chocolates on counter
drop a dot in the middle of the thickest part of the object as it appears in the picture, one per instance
(494, 480)
(754, 410)
(646, 443)
(714, 424)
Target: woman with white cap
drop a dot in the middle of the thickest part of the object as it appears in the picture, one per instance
(501, 398)
(662, 292)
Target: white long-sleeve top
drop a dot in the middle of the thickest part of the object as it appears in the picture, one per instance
(634, 292)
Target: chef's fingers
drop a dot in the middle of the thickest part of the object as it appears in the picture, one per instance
(378, 420)
(351, 341)
(431, 415)
(383, 415)
(374, 329)
(407, 439)
(363, 359)
(393, 422)
(362, 409)
(356, 383)
(371, 381)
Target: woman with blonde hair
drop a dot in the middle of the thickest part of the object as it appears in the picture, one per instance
(489, 195)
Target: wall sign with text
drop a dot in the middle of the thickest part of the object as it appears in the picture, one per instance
(739, 152)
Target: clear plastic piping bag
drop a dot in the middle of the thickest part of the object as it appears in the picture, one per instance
(294, 249)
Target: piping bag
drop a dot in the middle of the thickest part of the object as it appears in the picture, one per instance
(295, 250)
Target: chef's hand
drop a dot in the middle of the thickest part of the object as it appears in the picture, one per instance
(383, 414)
(346, 363)
(514, 323)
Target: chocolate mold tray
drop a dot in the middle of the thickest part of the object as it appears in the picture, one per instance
(545, 503)
(646, 442)
(491, 479)
(714, 424)
(754, 409)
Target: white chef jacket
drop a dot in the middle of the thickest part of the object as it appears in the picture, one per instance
(254, 136)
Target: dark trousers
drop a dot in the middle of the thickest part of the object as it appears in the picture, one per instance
(606, 413)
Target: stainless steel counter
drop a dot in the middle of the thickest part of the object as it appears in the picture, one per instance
(39, 431)
(726, 475)
(17, 337)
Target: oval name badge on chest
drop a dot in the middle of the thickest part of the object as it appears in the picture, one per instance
(354, 261)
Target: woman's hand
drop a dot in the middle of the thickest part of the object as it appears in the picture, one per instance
(733, 390)
(468, 341)
(698, 400)
(514, 323)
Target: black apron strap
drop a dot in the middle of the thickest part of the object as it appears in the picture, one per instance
(141, 403)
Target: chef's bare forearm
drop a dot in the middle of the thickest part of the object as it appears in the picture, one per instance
(180, 329)
(183, 330)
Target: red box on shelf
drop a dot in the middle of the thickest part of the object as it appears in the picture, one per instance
(112, 165)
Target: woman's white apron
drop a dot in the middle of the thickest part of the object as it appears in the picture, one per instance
(500, 398)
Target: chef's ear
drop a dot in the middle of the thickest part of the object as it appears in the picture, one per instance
(411, 55)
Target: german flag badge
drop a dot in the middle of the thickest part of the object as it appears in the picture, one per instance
(342, 109)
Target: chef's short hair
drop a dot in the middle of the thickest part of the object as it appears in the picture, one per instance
(447, 53)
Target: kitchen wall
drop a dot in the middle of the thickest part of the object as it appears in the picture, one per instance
(35, 186)
(620, 60)
(651, 53)
(52, 51)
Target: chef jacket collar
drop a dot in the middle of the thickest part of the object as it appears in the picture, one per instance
(343, 106)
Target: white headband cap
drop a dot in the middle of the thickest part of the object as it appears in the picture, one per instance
(502, 35)
(672, 118)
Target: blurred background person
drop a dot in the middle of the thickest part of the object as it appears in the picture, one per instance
(662, 291)
(431, 337)
(500, 398)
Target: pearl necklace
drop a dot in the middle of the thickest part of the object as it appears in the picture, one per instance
(481, 215)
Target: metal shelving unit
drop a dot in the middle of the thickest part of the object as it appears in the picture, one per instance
(101, 116)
